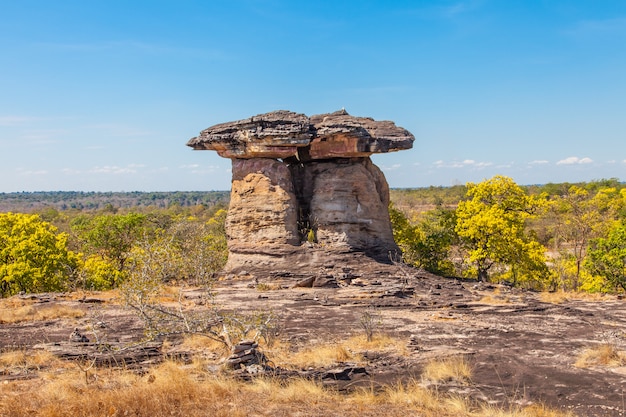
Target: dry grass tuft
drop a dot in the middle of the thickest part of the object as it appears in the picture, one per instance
(603, 355)
(31, 313)
(494, 299)
(330, 354)
(378, 342)
(558, 297)
(316, 356)
(264, 286)
(534, 410)
(414, 395)
(197, 342)
(455, 368)
(21, 362)
(171, 389)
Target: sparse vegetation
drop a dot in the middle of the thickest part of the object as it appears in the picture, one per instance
(31, 313)
(454, 368)
(605, 354)
(370, 321)
(175, 389)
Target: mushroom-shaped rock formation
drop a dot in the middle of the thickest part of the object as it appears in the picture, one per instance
(304, 189)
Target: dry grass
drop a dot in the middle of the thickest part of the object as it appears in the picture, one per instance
(173, 389)
(603, 355)
(534, 410)
(378, 342)
(454, 368)
(558, 297)
(264, 286)
(494, 299)
(196, 342)
(21, 363)
(30, 312)
(316, 356)
(330, 354)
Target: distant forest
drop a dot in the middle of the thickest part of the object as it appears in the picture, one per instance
(407, 199)
(26, 202)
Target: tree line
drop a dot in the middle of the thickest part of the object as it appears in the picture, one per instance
(548, 237)
(27, 202)
(102, 249)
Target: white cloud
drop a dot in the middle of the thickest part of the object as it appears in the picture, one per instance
(390, 167)
(574, 160)
(114, 169)
(13, 120)
(539, 162)
(467, 163)
(71, 171)
(611, 27)
(27, 172)
(206, 170)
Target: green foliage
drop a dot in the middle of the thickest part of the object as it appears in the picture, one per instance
(607, 257)
(110, 235)
(33, 256)
(427, 243)
(579, 216)
(492, 226)
(189, 250)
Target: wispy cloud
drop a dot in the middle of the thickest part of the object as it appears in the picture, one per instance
(445, 12)
(574, 160)
(30, 172)
(71, 171)
(539, 162)
(14, 120)
(460, 8)
(116, 170)
(467, 163)
(120, 130)
(390, 167)
(601, 27)
(136, 47)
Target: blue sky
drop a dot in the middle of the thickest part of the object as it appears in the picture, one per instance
(103, 95)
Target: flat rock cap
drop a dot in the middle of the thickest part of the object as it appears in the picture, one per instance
(284, 134)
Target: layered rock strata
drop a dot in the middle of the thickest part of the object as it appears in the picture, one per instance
(304, 188)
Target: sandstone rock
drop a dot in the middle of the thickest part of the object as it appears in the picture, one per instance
(348, 207)
(271, 135)
(284, 134)
(304, 190)
(262, 212)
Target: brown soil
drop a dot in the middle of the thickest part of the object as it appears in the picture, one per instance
(521, 350)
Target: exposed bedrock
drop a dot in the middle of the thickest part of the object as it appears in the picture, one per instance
(304, 190)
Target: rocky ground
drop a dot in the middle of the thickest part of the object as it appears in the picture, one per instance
(521, 349)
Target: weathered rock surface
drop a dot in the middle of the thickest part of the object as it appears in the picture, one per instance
(521, 349)
(262, 211)
(304, 189)
(348, 206)
(284, 134)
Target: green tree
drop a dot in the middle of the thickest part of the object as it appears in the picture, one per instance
(111, 236)
(577, 218)
(33, 256)
(491, 225)
(427, 243)
(607, 257)
(189, 250)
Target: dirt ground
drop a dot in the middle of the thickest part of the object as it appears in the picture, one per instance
(521, 349)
